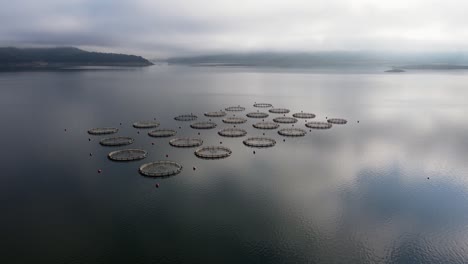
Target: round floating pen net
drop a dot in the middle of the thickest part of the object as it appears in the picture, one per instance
(186, 142)
(235, 108)
(127, 155)
(262, 105)
(203, 125)
(285, 120)
(266, 125)
(162, 133)
(160, 169)
(319, 125)
(337, 121)
(116, 141)
(234, 120)
(213, 152)
(215, 114)
(103, 130)
(292, 132)
(257, 115)
(279, 110)
(259, 142)
(304, 115)
(232, 132)
(189, 117)
(146, 124)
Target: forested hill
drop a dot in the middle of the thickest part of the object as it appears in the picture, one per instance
(66, 56)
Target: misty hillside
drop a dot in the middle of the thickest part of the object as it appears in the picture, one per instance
(328, 59)
(12, 57)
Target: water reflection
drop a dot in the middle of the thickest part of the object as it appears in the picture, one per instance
(355, 193)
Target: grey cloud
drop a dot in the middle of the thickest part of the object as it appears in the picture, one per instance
(202, 26)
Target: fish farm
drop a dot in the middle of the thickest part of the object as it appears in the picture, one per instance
(162, 133)
(164, 168)
(319, 125)
(145, 124)
(116, 141)
(259, 142)
(304, 115)
(337, 121)
(235, 109)
(262, 105)
(232, 132)
(160, 168)
(292, 132)
(285, 120)
(266, 125)
(216, 114)
(127, 155)
(103, 131)
(203, 125)
(279, 110)
(186, 142)
(213, 152)
(234, 120)
(186, 117)
(257, 115)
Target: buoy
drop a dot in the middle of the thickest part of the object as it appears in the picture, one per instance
(198, 133)
(89, 139)
(194, 168)
(284, 140)
(154, 118)
(220, 142)
(428, 178)
(65, 129)
(167, 156)
(254, 152)
(120, 123)
(99, 171)
(157, 185)
(358, 121)
(152, 143)
(263, 133)
(234, 125)
(90, 154)
(180, 127)
(138, 132)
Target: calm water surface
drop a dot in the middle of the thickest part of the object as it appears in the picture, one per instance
(392, 188)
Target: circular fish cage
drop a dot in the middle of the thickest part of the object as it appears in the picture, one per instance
(235, 108)
(279, 110)
(162, 133)
(292, 132)
(262, 105)
(304, 115)
(161, 168)
(266, 125)
(257, 115)
(285, 120)
(103, 130)
(232, 132)
(213, 152)
(186, 142)
(319, 125)
(259, 142)
(127, 154)
(203, 125)
(116, 141)
(146, 124)
(234, 120)
(215, 114)
(337, 121)
(189, 117)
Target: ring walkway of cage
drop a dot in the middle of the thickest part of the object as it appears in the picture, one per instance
(160, 169)
(186, 142)
(103, 130)
(128, 154)
(213, 152)
(116, 141)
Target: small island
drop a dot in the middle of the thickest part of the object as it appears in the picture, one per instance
(395, 70)
(58, 58)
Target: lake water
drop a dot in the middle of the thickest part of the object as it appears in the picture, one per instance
(392, 188)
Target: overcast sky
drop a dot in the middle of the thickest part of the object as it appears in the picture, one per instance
(155, 28)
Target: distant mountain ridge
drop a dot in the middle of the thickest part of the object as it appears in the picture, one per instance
(421, 60)
(11, 57)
